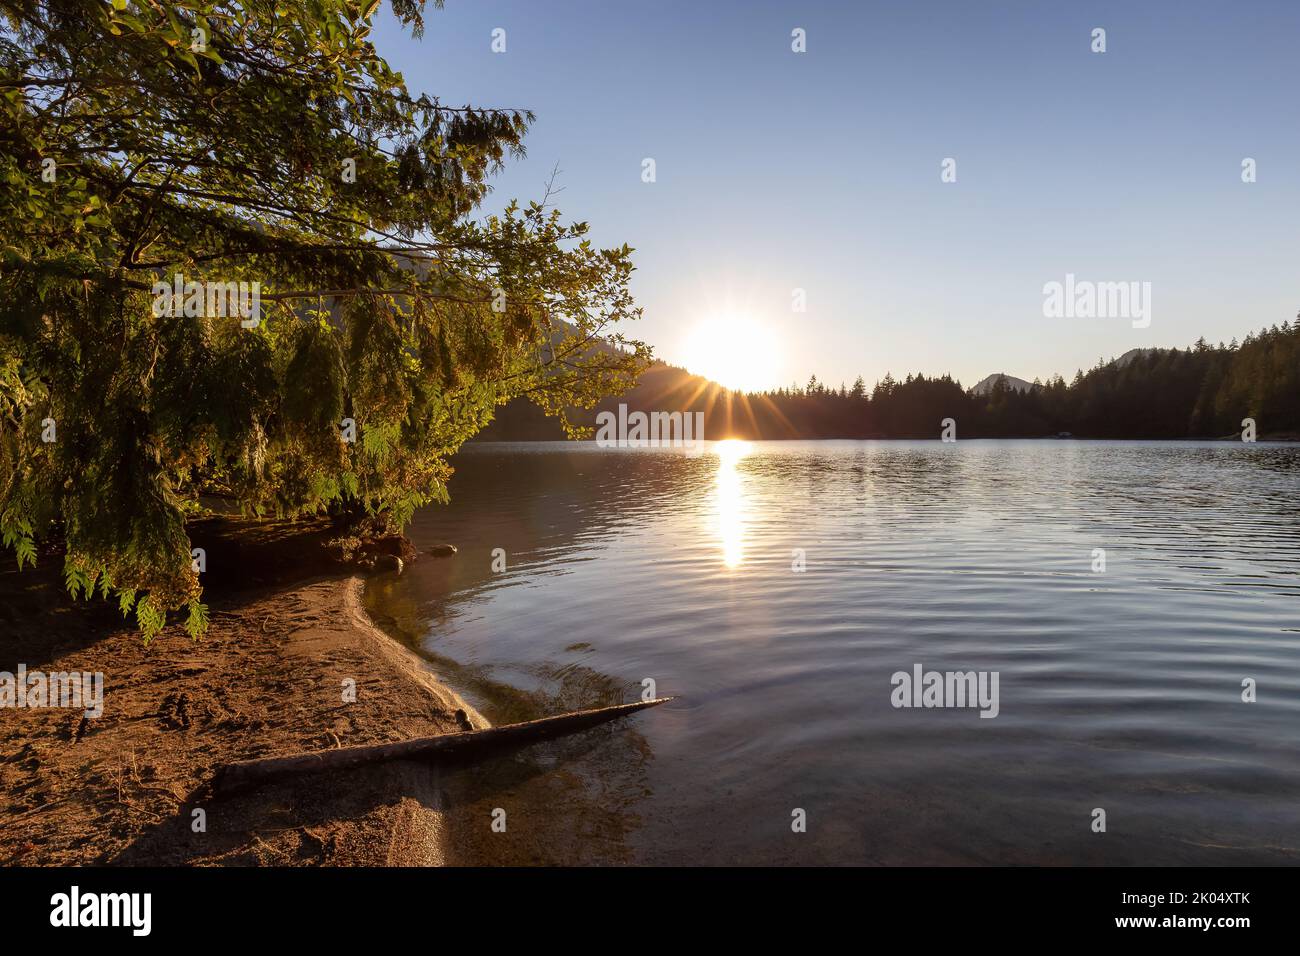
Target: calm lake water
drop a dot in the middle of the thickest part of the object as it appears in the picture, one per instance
(1119, 689)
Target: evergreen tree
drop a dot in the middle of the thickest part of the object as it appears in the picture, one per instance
(260, 142)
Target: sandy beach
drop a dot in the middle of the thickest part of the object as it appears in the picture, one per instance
(268, 679)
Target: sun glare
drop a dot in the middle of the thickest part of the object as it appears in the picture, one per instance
(737, 353)
(731, 500)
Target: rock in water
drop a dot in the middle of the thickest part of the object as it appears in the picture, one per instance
(394, 544)
(442, 550)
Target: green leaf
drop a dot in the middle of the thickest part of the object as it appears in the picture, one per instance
(197, 621)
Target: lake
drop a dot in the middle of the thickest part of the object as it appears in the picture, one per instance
(1118, 689)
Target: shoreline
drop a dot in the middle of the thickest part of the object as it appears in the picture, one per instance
(131, 786)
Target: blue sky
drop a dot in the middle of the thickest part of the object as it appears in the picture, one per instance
(821, 170)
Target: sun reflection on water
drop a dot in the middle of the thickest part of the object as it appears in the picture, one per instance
(731, 500)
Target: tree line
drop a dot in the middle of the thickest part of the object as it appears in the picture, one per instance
(1204, 391)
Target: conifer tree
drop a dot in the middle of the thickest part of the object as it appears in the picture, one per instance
(265, 142)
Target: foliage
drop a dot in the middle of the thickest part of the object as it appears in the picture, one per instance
(217, 140)
(1201, 392)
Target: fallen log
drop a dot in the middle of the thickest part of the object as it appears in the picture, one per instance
(473, 743)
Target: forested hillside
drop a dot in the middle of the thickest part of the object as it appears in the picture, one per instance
(1200, 392)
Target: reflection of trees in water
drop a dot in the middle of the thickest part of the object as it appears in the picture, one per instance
(776, 718)
(541, 509)
(571, 800)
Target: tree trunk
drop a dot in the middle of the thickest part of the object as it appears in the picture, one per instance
(474, 743)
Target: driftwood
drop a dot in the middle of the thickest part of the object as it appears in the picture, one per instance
(473, 743)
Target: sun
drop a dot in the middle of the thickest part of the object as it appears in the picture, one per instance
(736, 352)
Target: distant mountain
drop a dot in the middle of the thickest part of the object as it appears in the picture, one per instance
(1130, 355)
(661, 387)
(985, 385)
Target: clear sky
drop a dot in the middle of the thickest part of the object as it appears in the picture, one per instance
(779, 170)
